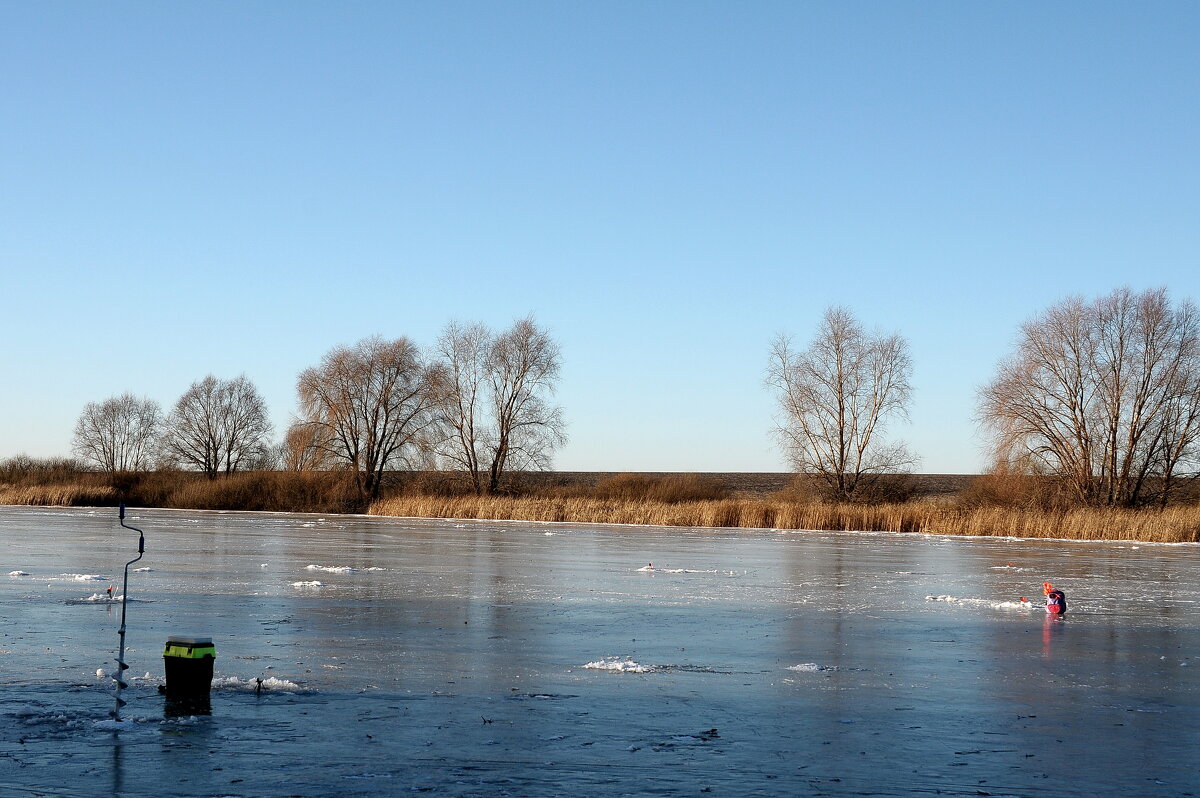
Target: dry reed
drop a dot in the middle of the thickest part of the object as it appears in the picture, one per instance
(67, 495)
(1175, 525)
(332, 493)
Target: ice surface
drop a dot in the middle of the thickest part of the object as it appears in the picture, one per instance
(618, 664)
(488, 659)
(256, 684)
(982, 602)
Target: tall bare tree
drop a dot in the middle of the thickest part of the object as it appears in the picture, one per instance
(461, 394)
(367, 405)
(118, 434)
(836, 397)
(1103, 394)
(494, 404)
(218, 426)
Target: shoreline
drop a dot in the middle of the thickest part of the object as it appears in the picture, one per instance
(93, 510)
(940, 504)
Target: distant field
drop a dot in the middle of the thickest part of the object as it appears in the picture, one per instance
(747, 485)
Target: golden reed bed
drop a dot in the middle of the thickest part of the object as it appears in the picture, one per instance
(67, 495)
(1175, 525)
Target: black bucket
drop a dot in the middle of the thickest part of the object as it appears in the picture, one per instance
(189, 666)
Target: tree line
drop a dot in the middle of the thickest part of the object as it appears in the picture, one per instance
(479, 404)
(1099, 402)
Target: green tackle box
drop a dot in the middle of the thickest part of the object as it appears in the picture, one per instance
(189, 665)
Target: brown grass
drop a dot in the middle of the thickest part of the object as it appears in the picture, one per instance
(1175, 525)
(69, 495)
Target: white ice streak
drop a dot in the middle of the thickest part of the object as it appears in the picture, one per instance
(619, 665)
(653, 570)
(332, 569)
(83, 577)
(978, 602)
(271, 683)
(128, 724)
(313, 583)
(18, 573)
(812, 667)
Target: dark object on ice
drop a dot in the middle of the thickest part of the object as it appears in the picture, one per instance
(189, 666)
(121, 666)
(1056, 600)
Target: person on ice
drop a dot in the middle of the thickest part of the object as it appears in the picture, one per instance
(1056, 600)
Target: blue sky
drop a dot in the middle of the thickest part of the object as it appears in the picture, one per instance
(237, 187)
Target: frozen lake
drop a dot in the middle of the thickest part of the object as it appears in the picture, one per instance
(485, 658)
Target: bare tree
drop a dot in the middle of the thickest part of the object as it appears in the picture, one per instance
(836, 397)
(366, 405)
(460, 395)
(217, 426)
(303, 449)
(118, 434)
(1103, 394)
(493, 401)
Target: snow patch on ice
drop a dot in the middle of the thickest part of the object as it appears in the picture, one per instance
(812, 667)
(313, 583)
(332, 569)
(979, 602)
(142, 570)
(271, 683)
(84, 577)
(619, 665)
(651, 569)
(103, 598)
(18, 573)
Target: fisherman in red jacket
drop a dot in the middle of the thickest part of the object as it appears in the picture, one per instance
(1056, 600)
